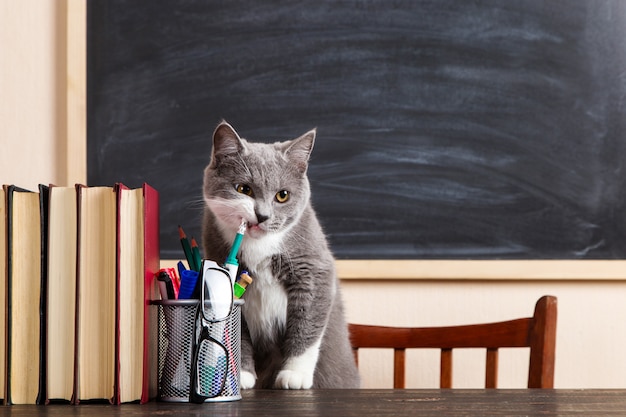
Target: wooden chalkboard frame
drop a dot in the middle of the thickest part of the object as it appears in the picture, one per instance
(436, 269)
(353, 270)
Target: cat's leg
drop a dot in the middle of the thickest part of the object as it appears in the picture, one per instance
(248, 373)
(310, 299)
(248, 379)
(297, 372)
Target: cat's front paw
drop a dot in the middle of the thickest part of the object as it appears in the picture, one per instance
(294, 379)
(247, 380)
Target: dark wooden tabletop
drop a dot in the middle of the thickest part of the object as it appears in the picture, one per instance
(364, 402)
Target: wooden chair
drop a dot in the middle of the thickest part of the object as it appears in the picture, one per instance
(537, 332)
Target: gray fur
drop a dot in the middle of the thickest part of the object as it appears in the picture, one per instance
(288, 255)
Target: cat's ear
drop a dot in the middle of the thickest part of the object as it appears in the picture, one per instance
(299, 150)
(226, 142)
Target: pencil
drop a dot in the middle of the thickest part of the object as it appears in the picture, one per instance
(187, 249)
(195, 252)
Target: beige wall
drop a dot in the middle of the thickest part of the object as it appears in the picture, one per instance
(42, 140)
(28, 78)
(41, 108)
(590, 331)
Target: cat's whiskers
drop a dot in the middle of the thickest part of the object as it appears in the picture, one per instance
(299, 236)
(237, 207)
(196, 203)
(287, 256)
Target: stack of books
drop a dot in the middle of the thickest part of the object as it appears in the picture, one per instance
(79, 266)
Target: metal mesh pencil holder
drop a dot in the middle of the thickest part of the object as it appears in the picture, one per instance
(175, 350)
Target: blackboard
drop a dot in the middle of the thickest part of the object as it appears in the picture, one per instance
(446, 129)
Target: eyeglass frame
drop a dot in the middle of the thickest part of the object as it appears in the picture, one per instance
(204, 334)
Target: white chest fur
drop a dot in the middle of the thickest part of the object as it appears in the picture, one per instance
(265, 308)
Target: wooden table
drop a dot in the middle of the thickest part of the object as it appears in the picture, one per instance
(396, 403)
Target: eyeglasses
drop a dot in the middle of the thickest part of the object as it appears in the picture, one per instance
(209, 370)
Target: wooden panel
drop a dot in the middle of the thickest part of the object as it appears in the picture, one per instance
(491, 368)
(505, 334)
(399, 368)
(446, 369)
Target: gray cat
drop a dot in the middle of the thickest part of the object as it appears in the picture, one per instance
(294, 334)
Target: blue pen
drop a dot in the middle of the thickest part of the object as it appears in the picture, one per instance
(188, 283)
(231, 261)
(181, 267)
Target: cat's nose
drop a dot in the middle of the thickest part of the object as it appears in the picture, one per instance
(261, 217)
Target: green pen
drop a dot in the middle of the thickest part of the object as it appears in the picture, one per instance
(231, 261)
(187, 249)
(240, 286)
(195, 252)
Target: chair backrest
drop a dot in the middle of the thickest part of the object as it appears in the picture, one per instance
(537, 332)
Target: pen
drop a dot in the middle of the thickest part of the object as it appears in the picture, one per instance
(175, 279)
(231, 261)
(173, 276)
(240, 286)
(195, 252)
(188, 285)
(187, 249)
(181, 267)
(166, 286)
(188, 282)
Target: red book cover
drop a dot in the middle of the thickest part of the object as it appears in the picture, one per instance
(152, 263)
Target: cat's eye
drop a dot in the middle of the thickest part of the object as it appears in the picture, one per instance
(244, 189)
(282, 196)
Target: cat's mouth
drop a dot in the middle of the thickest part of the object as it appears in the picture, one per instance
(256, 229)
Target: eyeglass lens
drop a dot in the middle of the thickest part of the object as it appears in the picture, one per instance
(212, 368)
(217, 295)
